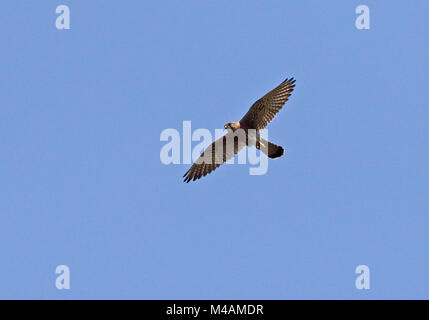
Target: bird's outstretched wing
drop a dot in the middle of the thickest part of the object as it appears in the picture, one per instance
(265, 109)
(219, 152)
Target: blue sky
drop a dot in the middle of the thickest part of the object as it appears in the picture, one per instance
(81, 112)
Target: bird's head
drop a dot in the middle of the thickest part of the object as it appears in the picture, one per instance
(232, 126)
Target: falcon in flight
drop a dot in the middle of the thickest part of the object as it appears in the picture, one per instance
(259, 115)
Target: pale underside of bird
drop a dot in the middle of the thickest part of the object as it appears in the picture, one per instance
(257, 118)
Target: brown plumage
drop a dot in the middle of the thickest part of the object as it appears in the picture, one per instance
(265, 109)
(259, 115)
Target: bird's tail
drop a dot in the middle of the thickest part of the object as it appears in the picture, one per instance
(270, 149)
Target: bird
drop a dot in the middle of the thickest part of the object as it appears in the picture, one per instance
(260, 114)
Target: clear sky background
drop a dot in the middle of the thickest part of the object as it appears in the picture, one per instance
(81, 182)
